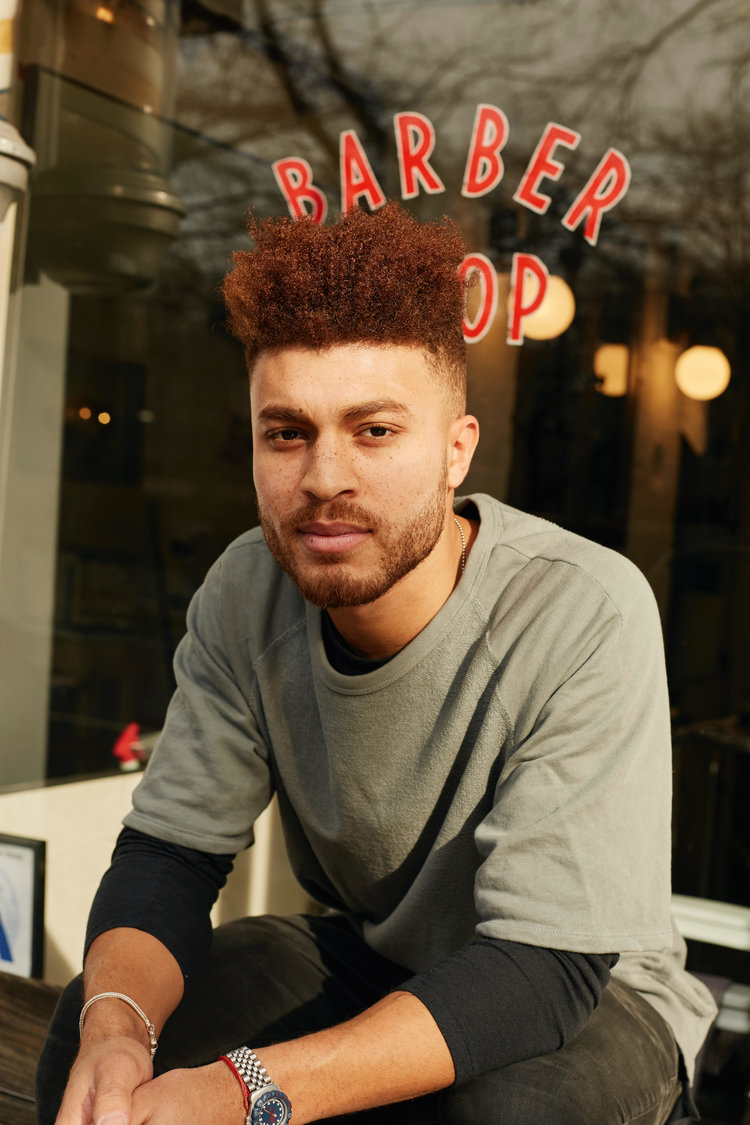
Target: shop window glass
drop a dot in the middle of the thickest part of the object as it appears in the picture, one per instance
(152, 146)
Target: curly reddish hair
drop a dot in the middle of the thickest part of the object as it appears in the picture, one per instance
(380, 278)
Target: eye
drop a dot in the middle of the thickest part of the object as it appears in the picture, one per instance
(377, 430)
(285, 436)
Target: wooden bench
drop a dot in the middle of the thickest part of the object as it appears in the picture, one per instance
(25, 1010)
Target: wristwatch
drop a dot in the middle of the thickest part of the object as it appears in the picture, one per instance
(268, 1104)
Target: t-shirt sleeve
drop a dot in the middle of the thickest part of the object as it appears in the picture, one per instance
(163, 889)
(499, 1002)
(208, 779)
(575, 849)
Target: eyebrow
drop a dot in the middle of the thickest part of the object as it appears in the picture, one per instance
(274, 413)
(376, 406)
(277, 413)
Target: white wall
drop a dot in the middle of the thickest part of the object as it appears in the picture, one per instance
(80, 823)
(31, 413)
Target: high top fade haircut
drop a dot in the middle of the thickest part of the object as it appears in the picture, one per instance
(370, 278)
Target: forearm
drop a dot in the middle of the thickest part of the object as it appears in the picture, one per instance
(488, 1005)
(138, 965)
(390, 1052)
(114, 1060)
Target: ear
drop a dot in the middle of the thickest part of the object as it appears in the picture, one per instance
(463, 436)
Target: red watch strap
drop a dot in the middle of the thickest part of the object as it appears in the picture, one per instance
(240, 1079)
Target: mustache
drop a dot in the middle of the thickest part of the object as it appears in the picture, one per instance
(342, 511)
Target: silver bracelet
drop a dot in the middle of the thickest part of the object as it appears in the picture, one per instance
(121, 996)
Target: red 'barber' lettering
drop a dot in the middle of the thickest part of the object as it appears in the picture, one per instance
(415, 140)
(524, 264)
(357, 177)
(543, 165)
(480, 326)
(483, 172)
(294, 177)
(484, 165)
(608, 183)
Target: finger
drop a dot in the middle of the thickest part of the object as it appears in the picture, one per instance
(88, 1108)
(112, 1103)
(77, 1105)
(101, 1084)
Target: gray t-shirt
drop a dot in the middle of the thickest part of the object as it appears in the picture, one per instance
(506, 774)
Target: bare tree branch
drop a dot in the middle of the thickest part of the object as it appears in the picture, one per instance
(287, 75)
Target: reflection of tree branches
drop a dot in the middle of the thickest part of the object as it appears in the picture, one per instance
(325, 83)
(353, 89)
(682, 20)
(382, 33)
(454, 81)
(700, 170)
(625, 64)
(288, 75)
(736, 61)
(371, 60)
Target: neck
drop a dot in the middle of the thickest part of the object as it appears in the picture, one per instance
(383, 627)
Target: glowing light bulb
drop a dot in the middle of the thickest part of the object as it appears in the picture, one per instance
(104, 418)
(611, 363)
(84, 413)
(106, 15)
(556, 312)
(702, 373)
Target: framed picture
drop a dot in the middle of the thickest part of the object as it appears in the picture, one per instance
(22, 863)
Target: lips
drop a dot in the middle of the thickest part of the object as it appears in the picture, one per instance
(331, 538)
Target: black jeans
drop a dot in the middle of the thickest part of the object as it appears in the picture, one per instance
(271, 979)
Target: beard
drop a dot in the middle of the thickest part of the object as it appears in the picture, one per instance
(326, 580)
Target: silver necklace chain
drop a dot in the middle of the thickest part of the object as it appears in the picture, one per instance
(463, 543)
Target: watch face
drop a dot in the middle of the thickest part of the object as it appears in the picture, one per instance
(272, 1107)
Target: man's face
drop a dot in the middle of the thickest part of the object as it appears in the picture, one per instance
(351, 455)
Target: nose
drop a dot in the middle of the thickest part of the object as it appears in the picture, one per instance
(328, 470)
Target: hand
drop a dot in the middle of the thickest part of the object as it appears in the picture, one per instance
(102, 1081)
(205, 1095)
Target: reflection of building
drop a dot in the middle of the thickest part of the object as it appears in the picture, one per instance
(123, 422)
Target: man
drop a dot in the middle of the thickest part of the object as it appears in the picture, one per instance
(463, 714)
